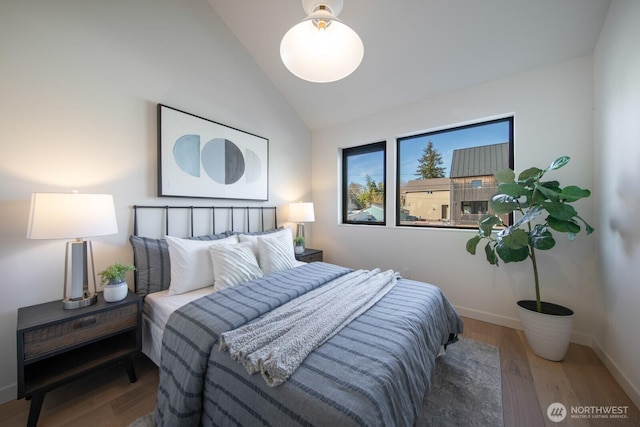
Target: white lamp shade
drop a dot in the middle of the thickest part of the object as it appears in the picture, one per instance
(301, 212)
(321, 55)
(71, 215)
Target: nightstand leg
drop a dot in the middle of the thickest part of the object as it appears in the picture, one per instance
(34, 409)
(128, 364)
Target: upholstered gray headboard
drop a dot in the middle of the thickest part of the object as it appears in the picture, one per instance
(152, 223)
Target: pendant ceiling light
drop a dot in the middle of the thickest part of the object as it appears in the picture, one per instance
(321, 48)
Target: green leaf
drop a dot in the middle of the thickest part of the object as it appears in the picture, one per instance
(472, 244)
(505, 176)
(548, 193)
(541, 238)
(558, 163)
(531, 214)
(503, 204)
(511, 255)
(512, 189)
(589, 229)
(563, 226)
(560, 210)
(531, 173)
(487, 222)
(554, 185)
(515, 239)
(491, 254)
(572, 193)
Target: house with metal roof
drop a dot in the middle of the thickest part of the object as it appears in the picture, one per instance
(472, 181)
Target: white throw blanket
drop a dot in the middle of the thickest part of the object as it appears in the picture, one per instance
(276, 344)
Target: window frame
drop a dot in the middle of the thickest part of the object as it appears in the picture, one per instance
(398, 184)
(380, 146)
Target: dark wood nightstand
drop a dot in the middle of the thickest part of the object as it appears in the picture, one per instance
(310, 255)
(56, 346)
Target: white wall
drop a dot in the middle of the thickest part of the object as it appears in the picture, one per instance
(79, 88)
(553, 116)
(617, 142)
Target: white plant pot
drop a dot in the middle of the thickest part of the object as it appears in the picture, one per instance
(548, 335)
(298, 249)
(115, 292)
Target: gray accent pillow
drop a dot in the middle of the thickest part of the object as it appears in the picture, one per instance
(153, 267)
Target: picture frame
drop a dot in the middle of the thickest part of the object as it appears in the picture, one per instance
(201, 158)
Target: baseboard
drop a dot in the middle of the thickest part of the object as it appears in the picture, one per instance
(8, 393)
(510, 322)
(620, 377)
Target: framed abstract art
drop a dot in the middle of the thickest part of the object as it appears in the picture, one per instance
(198, 157)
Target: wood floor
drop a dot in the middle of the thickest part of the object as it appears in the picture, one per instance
(529, 386)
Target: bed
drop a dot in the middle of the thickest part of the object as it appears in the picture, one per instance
(375, 370)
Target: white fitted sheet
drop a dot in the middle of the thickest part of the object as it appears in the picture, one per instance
(156, 310)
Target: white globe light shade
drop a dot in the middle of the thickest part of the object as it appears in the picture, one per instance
(321, 55)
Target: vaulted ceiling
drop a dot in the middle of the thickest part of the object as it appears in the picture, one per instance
(415, 49)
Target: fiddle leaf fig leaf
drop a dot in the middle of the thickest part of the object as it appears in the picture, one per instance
(589, 229)
(558, 163)
(489, 251)
(503, 204)
(549, 193)
(559, 210)
(512, 189)
(487, 222)
(511, 255)
(541, 238)
(515, 239)
(505, 176)
(531, 214)
(531, 173)
(563, 226)
(572, 193)
(472, 244)
(554, 185)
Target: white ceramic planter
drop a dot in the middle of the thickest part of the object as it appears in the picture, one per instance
(298, 249)
(115, 292)
(548, 335)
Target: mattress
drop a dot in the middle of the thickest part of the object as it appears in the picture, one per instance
(156, 310)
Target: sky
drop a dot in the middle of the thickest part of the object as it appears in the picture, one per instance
(411, 148)
(446, 142)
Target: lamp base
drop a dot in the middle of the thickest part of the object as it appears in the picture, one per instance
(87, 299)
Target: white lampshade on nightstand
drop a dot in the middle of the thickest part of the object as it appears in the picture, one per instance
(74, 216)
(300, 213)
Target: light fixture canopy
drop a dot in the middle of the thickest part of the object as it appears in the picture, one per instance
(74, 216)
(321, 49)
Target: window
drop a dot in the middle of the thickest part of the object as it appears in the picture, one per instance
(363, 184)
(445, 178)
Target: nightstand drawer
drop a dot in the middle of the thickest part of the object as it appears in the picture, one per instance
(310, 255)
(66, 334)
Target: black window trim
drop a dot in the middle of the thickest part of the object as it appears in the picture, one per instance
(511, 143)
(363, 149)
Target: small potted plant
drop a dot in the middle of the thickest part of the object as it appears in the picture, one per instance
(112, 277)
(544, 206)
(299, 244)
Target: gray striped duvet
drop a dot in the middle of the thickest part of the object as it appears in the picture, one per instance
(375, 371)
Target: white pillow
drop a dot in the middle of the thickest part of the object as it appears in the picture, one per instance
(275, 254)
(233, 265)
(191, 266)
(285, 233)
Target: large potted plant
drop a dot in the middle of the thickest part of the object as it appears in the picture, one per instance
(544, 206)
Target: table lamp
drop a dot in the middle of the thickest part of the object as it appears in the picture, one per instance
(74, 216)
(300, 213)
